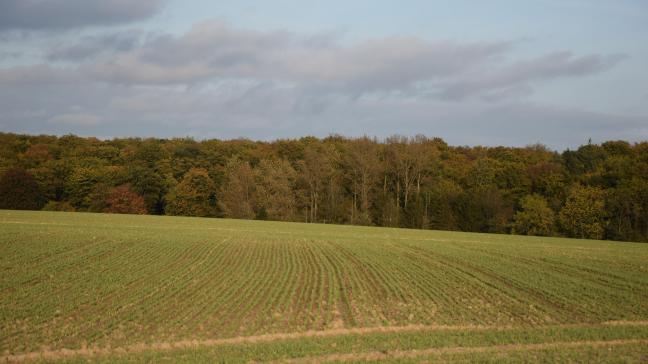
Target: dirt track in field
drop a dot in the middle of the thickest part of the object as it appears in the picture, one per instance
(410, 354)
(62, 354)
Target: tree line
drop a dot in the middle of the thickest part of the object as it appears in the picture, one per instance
(596, 191)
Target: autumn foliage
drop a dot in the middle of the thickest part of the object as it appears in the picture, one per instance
(19, 191)
(122, 200)
(195, 195)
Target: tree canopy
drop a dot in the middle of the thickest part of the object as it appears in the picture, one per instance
(535, 217)
(19, 191)
(195, 195)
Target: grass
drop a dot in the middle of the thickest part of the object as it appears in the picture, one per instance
(146, 288)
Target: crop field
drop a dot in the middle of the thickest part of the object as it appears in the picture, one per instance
(78, 287)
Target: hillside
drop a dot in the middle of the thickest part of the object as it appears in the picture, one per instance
(81, 285)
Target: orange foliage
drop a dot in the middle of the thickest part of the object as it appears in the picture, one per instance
(122, 200)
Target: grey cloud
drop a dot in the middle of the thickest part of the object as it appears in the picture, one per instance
(91, 46)
(218, 44)
(561, 64)
(516, 78)
(214, 52)
(9, 55)
(40, 74)
(390, 63)
(209, 50)
(68, 14)
(128, 69)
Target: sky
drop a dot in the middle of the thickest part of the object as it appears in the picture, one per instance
(499, 72)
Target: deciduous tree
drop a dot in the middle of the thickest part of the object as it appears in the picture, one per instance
(122, 200)
(195, 195)
(534, 218)
(582, 216)
(275, 194)
(238, 193)
(19, 191)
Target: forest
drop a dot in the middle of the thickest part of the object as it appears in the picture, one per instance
(598, 191)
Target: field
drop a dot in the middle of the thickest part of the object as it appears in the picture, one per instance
(109, 288)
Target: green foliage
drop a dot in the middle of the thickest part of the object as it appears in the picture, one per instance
(59, 206)
(195, 195)
(585, 160)
(548, 180)
(485, 172)
(53, 177)
(627, 208)
(95, 201)
(484, 209)
(534, 218)
(149, 184)
(582, 216)
(443, 198)
(81, 183)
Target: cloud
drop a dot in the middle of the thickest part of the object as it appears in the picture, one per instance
(37, 74)
(75, 119)
(213, 52)
(517, 77)
(91, 46)
(69, 14)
